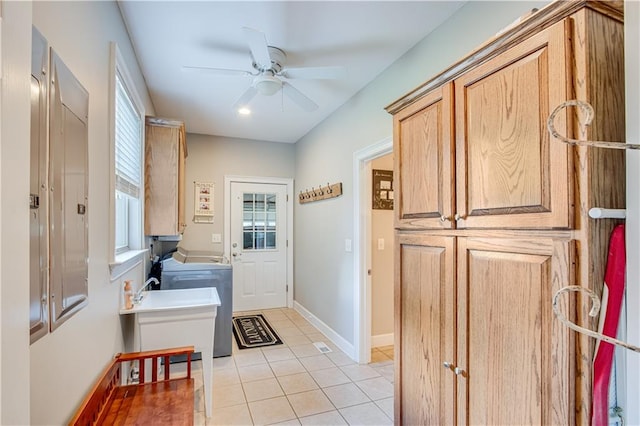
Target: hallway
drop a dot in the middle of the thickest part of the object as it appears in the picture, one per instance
(296, 384)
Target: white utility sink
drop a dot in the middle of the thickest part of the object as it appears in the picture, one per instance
(173, 318)
(168, 300)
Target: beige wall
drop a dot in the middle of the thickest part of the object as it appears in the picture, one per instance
(14, 219)
(326, 154)
(382, 268)
(43, 383)
(210, 159)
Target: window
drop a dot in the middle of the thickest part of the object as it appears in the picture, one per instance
(259, 221)
(128, 125)
(127, 166)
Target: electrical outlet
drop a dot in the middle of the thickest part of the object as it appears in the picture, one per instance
(216, 238)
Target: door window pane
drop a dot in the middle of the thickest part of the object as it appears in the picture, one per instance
(259, 227)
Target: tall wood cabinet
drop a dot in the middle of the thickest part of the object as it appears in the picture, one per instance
(491, 220)
(165, 154)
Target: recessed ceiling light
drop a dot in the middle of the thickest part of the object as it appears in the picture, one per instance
(244, 111)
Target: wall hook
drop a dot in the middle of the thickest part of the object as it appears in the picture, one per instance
(595, 308)
(587, 110)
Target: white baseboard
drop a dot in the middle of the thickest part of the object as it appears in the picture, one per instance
(335, 338)
(382, 340)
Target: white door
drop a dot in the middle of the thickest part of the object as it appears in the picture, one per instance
(259, 245)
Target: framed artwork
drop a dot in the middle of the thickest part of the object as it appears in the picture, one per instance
(203, 202)
(382, 190)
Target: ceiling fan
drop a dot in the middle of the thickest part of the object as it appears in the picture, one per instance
(269, 69)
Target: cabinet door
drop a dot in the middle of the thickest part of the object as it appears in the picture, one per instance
(68, 178)
(513, 354)
(424, 332)
(424, 158)
(162, 155)
(510, 174)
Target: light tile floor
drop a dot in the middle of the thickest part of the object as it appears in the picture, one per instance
(296, 384)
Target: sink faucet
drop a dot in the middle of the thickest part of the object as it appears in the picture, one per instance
(137, 298)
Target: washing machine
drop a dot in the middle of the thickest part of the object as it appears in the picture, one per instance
(192, 269)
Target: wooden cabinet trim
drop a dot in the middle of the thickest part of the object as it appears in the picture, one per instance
(543, 18)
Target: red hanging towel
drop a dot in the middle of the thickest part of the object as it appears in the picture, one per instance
(612, 295)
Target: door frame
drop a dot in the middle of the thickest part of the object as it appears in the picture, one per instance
(361, 248)
(288, 182)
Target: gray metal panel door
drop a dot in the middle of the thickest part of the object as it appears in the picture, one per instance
(38, 254)
(69, 104)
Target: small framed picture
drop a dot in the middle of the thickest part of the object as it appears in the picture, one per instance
(382, 190)
(203, 205)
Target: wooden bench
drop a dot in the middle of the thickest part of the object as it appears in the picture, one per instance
(158, 401)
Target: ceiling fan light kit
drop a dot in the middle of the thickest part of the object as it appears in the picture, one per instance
(267, 85)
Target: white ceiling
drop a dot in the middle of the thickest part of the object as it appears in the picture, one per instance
(363, 36)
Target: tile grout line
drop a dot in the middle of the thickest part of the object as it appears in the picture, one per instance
(308, 370)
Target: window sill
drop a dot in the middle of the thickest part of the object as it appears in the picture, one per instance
(126, 261)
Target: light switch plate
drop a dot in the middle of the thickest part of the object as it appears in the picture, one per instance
(216, 238)
(347, 245)
(380, 243)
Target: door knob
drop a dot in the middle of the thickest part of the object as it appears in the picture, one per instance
(234, 254)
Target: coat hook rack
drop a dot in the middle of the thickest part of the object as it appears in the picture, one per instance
(320, 193)
(587, 111)
(595, 308)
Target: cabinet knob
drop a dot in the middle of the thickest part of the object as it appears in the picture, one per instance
(459, 216)
(459, 371)
(447, 365)
(444, 218)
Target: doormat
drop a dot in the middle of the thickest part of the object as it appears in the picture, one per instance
(253, 331)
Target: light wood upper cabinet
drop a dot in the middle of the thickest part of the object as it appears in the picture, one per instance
(509, 173)
(165, 154)
(423, 138)
(506, 171)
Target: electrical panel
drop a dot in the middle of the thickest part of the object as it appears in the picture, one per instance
(59, 191)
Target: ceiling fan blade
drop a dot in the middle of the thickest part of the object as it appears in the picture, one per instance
(217, 71)
(298, 97)
(258, 45)
(319, 73)
(245, 98)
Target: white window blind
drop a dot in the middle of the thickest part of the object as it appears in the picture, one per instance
(128, 143)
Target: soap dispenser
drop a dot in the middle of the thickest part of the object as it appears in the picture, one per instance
(128, 295)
